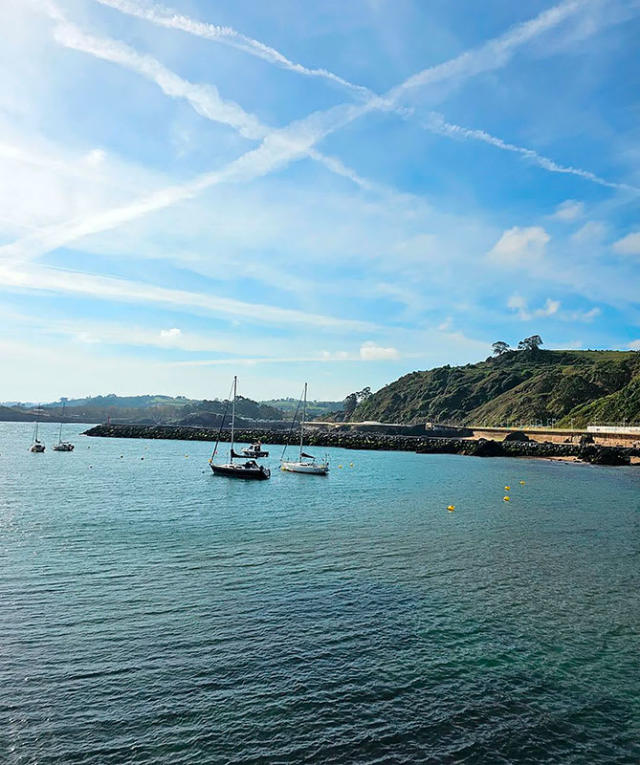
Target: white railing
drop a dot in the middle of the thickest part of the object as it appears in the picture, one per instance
(632, 429)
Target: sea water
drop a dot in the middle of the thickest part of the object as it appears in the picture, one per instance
(151, 612)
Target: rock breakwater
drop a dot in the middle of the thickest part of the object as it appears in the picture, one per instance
(592, 453)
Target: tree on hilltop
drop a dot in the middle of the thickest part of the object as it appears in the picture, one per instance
(500, 347)
(532, 343)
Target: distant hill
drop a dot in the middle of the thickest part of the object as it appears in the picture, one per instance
(315, 409)
(122, 402)
(11, 414)
(518, 387)
(149, 409)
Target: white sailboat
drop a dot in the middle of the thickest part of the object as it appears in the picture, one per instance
(62, 446)
(37, 446)
(249, 469)
(306, 463)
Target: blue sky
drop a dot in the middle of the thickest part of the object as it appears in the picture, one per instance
(333, 192)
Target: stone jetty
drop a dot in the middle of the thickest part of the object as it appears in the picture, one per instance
(593, 453)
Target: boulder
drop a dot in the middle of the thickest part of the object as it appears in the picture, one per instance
(517, 435)
(607, 455)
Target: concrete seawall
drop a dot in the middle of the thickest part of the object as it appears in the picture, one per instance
(593, 453)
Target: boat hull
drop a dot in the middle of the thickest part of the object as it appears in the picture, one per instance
(309, 468)
(240, 471)
(37, 449)
(63, 447)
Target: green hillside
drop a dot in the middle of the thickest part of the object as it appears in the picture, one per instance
(151, 409)
(315, 409)
(525, 387)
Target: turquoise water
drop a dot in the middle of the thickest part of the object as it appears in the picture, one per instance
(153, 613)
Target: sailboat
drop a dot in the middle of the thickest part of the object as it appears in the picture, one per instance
(37, 447)
(62, 446)
(306, 463)
(249, 469)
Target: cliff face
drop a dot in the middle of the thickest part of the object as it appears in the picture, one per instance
(520, 386)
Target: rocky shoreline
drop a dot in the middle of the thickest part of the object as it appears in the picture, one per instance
(595, 454)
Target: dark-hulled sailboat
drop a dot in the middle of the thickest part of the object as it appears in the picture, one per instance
(37, 446)
(247, 469)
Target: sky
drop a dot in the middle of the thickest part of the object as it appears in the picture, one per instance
(334, 192)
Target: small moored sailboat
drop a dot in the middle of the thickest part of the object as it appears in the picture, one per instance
(249, 469)
(37, 446)
(306, 463)
(62, 446)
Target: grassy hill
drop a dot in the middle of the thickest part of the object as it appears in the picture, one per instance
(315, 409)
(151, 410)
(517, 387)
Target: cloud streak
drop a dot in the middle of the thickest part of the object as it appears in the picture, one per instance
(278, 147)
(492, 55)
(437, 124)
(204, 99)
(123, 290)
(170, 19)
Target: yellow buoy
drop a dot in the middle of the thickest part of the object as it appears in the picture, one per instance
(351, 464)
(507, 488)
(522, 483)
(340, 466)
(451, 508)
(507, 499)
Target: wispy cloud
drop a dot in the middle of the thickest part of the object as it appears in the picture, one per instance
(551, 308)
(170, 19)
(629, 244)
(437, 124)
(520, 244)
(519, 304)
(205, 99)
(123, 290)
(592, 231)
(279, 148)
(318, 358)
(493, 54)
(569, 210)
(370, 351)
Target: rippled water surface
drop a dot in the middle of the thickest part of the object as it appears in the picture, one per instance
(151, 612)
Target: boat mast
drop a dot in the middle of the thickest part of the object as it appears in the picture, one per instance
(64, 403)
(35, 436)
(233, 416)
(304, 415)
